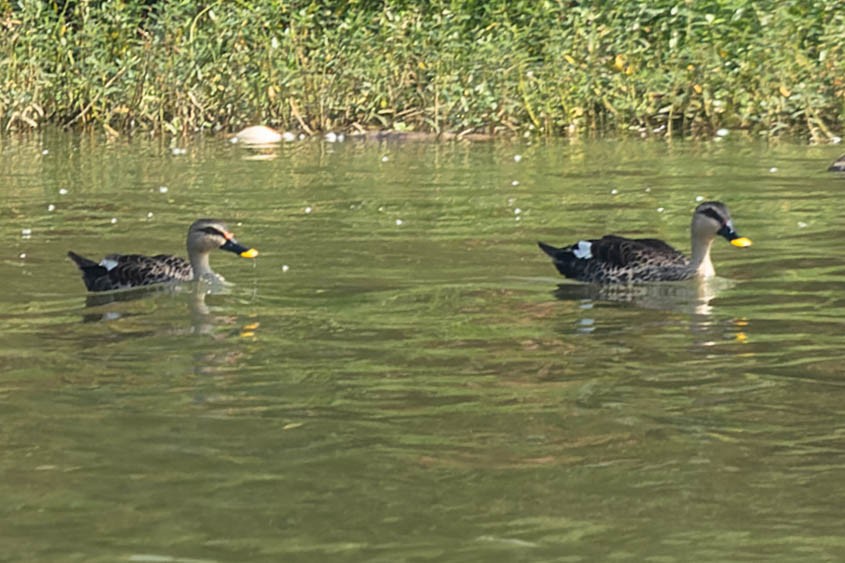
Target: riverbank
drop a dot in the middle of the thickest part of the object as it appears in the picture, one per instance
(497, 68)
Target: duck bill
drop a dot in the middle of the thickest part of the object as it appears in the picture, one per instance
(734, 238)
(234, 246)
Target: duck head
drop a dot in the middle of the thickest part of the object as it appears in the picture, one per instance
(712, 219)
(205, 235)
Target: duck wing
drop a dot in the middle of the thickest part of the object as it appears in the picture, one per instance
(123, 271)
(625, 252)
(614, 259)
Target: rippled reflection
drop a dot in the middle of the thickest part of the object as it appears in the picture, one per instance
(693, 296)
(401, 375)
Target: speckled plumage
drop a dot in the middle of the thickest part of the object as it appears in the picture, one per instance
(622, 260)
(614, 259)
(124, 271)
(132, 270)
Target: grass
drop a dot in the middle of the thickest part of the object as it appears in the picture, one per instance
(520, 67)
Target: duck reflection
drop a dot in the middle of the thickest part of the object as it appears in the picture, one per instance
(124, 305)
(686, 307)
(693, 296)
(94, 300)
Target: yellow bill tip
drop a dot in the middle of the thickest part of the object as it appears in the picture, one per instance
(252, 253)
(741, 242)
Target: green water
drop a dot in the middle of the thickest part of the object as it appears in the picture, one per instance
(398, 376)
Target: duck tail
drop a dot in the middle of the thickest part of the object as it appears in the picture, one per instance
(564, 260)
(81, 261)
(91, 271)
(552, 251)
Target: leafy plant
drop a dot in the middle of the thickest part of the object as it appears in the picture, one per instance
(521, 67)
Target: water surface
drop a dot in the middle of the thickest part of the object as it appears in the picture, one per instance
(402, 375)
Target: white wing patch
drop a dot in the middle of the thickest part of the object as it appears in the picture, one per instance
(108, 263)
(582, 250)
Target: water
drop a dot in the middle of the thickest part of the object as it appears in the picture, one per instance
(398, 376)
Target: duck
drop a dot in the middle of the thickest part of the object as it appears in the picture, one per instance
(126, 271)
(613, 259)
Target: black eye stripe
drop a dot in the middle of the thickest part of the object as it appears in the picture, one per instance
(713, 214)
(212, 231)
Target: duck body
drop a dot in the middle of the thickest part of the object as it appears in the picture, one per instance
(613, 259)
(126, 271)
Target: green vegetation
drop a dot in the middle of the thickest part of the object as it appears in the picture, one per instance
(548, 67)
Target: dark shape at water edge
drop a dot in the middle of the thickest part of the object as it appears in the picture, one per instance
(838, 165)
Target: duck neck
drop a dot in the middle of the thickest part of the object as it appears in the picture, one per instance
(700, 262)
(200, 265)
